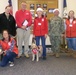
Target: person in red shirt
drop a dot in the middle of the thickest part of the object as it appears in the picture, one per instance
(23, 20)
(71, 32)
(40, 30)
(9, 49)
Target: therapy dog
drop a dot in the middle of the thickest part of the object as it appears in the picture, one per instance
(36, 52)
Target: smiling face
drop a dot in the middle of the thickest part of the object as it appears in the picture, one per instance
(7, 10)
(23, 5)
(5, 34)
(39, 13)
(71, 14)
(56, 13)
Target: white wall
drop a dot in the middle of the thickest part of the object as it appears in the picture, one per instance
(71, 5)
(3, 4)
(15, 6)
(60, 6)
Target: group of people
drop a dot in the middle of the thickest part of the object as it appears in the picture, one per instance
(41, 29)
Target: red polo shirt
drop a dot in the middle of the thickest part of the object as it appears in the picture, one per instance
(21, 16)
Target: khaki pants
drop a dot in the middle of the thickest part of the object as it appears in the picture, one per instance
(23, 35)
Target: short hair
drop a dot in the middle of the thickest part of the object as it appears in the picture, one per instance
(69, 16)
(7, 6)
(5, 30)
(8, 34)
(23, 2)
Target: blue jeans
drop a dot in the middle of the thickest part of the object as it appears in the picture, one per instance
(7, 58)
(71, 43)
(43, 44)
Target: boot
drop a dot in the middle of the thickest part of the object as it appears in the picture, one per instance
(74, 54)
(70, 51)
(69, 54)
(52, 54)
(57, 55)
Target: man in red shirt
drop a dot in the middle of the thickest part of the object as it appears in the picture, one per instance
(23, 20)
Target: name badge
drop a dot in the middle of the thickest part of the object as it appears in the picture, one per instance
(39, 24)
(27, 13)
(70, 25)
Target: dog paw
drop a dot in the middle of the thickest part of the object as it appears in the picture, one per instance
(32, 59)
(37, 60)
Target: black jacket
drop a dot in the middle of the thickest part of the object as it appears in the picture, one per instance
(8, 24)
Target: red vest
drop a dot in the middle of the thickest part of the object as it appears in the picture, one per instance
(70, 29)
(40, 27)
(6, 45)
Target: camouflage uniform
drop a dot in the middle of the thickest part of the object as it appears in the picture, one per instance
(56, 28)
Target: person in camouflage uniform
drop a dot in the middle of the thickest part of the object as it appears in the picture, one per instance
(56, 28)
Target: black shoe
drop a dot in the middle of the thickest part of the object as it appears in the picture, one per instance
(44, 58)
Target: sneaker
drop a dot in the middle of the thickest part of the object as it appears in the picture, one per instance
(18, 57)
(26, 55)
(11, 64)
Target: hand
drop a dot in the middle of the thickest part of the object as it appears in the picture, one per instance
(1, 52)
(63, 35)
(33, 36)
(45, 35)
(4, 52)
(23, 27)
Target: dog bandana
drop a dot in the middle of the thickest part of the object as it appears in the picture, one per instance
(35, 51)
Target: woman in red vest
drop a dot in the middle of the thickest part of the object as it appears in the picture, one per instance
(71, 31)
(9, 49)
(40, 30)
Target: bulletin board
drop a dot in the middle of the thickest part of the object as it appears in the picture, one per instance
(47, 5)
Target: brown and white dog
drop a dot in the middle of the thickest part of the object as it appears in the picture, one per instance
(36, 51)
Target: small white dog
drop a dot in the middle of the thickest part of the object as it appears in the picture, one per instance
(36, 51)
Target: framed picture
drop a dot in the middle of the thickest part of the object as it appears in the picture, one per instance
(50, 10)
(45, 6)
(32, 6)
(38, 5)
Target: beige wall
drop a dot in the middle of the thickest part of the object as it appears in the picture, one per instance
(71, 5)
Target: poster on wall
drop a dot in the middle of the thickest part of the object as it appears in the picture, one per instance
(32, 7)
(38, 5)
(44, 6)
(50, 10)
